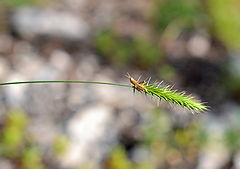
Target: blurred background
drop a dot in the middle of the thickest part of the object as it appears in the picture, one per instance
(192, 44)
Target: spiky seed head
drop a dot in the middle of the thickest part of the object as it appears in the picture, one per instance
(168, 94)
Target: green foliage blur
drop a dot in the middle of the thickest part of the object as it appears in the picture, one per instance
(16, 3)
(119, 160)
(60, 145)
(168, 142)
(125, 50)
(166, 145)
(226, 22)
(182, 13)
(232, 136)
(13, 133)
(171, 146)
(15, 143)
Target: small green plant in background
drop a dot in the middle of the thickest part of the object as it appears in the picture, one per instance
(13, 133)
(165, 146)
(16, 3)
(232, 138)
(231, 135)
(224, 15)
(167, 72)
(32, 158)
(172, 145)
(15, 143)
(119, 159)
(123, 50)
(60, 145)
(147, 53)
(181, 13)
(107, 43)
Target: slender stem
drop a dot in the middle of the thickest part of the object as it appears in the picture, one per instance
(64, 81)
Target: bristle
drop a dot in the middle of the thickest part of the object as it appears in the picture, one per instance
(139, 78)
(148, 80)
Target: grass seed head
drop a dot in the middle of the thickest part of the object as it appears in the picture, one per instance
(168, 94)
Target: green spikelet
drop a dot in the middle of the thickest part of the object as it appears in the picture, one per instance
(166, 93)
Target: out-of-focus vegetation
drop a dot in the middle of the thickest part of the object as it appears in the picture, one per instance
(173, 146)
(13, 133)
(127, 50)
(60, 145)
(183, 14)
(164, 144)
(226, 22)
(231, 136)
(16, 3)
(119, 160)
(16, 144)
(168, 146)
(19, 147)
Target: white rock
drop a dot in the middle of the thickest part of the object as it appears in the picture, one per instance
(61, 60)
(198, 45)
(30, 22)
(15, 94)
(213, 158)
(92, 134)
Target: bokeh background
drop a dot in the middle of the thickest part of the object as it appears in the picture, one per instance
(191, 44)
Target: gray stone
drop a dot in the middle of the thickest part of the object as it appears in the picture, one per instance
(92, 134)
(31, 22)
(6, 164)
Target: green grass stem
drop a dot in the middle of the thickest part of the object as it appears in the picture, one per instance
(165, 93)
(63, 81)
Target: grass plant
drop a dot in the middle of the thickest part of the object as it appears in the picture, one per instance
(154, 90)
